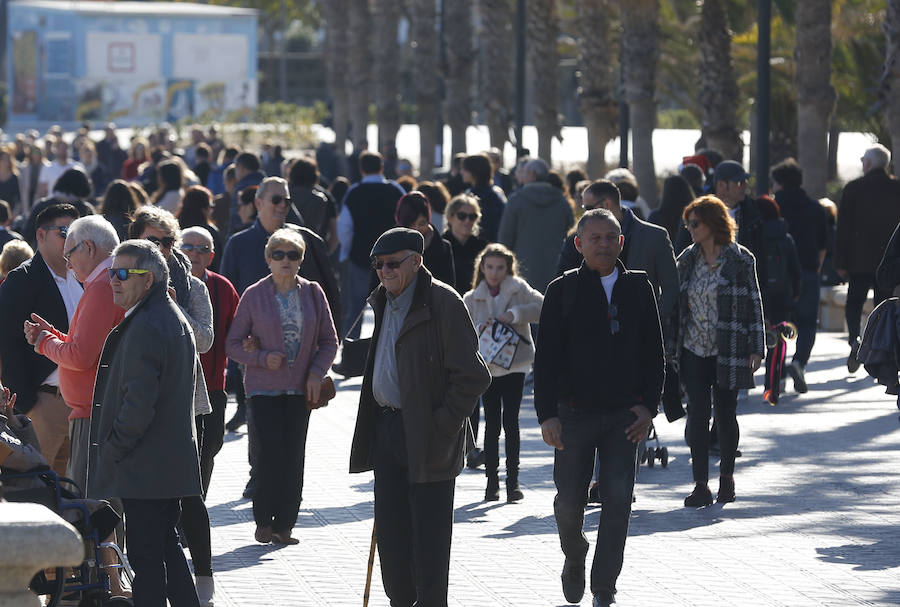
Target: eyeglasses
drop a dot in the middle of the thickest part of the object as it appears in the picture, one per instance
(613, 322)
(278, 199)
(124, 273)
(67, 255)
(464, 216)
(278, 255)
(63, 230)
(691, 225)
(200, 248)
(165, 242)
(393, 265)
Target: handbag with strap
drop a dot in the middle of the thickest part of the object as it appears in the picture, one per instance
(353, 353)
(326, 393)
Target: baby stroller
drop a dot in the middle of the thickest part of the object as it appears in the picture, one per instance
(86, 585)
(649, 455)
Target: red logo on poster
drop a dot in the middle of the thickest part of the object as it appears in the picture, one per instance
(121, 57)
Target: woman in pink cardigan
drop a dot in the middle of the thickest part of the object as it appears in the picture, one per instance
(284, 336)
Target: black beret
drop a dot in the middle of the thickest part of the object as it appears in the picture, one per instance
(398, 239)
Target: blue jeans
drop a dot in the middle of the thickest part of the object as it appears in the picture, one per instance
(357, 281)
(806, 314)
(583, 433)
(160, 569)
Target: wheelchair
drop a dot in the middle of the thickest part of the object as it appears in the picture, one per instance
(86, 585)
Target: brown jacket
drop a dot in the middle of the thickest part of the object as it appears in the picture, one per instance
(442, 375)
(868, 213)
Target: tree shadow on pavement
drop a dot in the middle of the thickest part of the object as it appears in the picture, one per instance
(878, 556)
(245, 556)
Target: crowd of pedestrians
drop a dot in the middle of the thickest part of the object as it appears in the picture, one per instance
(141, 283)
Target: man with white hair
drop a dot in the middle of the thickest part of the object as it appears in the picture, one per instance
(868, 213)
(88, 253)
(535, 223)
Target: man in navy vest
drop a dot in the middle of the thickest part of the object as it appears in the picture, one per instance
(367, 212)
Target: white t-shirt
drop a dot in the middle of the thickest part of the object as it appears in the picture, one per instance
(609, 281)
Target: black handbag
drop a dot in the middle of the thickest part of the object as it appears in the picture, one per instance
(353, 353)
(672, 398)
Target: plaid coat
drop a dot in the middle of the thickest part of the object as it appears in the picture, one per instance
(740, 330)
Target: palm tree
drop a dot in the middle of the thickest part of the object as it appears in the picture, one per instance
(459, 70)
(497, 67)
(640, 54)
(718, 87)
(890, 77)
(543, 61)
(358, 67)
(596, 83)
(426, 72)
(336, 42)
(815, 95)
(386, 14)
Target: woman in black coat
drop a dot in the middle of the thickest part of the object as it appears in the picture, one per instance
(478, 173)
(463, 217)
(414, 212)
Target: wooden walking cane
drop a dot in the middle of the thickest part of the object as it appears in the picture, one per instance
(369, 572)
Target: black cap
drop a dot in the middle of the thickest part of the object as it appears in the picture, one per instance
(730, 170)
(398, 239)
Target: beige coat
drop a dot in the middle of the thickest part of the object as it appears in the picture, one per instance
(515, 296)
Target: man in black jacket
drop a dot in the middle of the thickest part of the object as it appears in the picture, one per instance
(41, 286)
(598, 376)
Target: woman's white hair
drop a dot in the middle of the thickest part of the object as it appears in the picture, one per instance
(96, 229)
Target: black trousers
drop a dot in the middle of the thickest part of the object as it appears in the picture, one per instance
(414, 523)
(195, 525)
(502, 401)
(281, 425)
(211, 435)
(857, 293)
(583, 433)
(699, 377)
(160, 569)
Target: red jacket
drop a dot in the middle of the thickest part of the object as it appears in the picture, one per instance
(224, 304)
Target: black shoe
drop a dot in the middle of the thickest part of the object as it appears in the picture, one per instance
(852, 362)
(513, 492)
(250, 489)
(795, 370)
(726, 490)
(604, 600)
(239, 419)
(573, 579)
(492, 492)
(701, 496)
(475, 458)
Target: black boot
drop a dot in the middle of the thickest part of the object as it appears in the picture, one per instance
(492, 492)
(513, 493)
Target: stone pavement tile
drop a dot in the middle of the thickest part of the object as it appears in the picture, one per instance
(817, 521)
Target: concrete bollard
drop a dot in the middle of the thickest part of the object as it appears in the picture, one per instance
(33, 538)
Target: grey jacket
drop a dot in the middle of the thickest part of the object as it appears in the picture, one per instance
(534, 225)
(142, 418)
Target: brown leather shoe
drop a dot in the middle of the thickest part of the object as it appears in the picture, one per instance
(701, 496)
(263, 534)
(284, 538)
(726, 490)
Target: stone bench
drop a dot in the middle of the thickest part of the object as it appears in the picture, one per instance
(831, 309)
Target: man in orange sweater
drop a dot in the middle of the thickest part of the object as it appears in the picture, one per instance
(89, 245)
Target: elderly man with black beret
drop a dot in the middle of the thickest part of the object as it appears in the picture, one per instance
(423, 378)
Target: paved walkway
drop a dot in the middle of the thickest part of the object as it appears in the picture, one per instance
(817, 521)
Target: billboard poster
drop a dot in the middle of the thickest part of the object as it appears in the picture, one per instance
(25, 72)
(123, 56)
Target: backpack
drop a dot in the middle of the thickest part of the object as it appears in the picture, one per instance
(777, 283)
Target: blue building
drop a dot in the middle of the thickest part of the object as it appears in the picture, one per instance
(134, 63)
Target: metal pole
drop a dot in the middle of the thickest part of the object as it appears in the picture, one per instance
(763, 94)
(282, 64)
(624, 119)
(520, 75)
(442, 89)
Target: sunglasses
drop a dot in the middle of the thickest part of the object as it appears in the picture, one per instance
(691, 225)
(68, 254)
(613, 321)
(166, 242)
(278, 199)
(124, 273)
(464, 216)
(200, 248)
(393, 265)
(278, 255)
(63, 230)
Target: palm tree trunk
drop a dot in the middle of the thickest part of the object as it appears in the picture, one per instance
(425, 41)
(815, 95)
(460, 70)
(497, 67)
(336, 42)
(890, 78)
(718, 87)
(543, 61)
(596, 90)
(358, 65)
(386, 17)
(640, 54)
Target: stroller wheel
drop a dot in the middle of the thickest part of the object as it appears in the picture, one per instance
(651, 455)
(664, 457)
